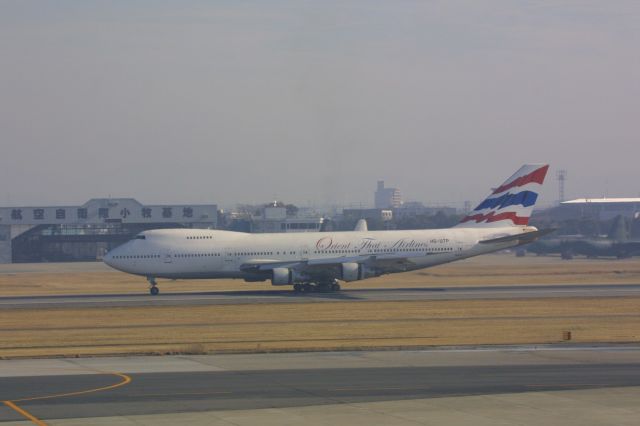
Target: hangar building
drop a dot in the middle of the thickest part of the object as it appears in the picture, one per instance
(591, 208)
(87, 232)
(602, 208)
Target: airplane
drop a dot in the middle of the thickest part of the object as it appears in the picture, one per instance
(616, 244)
(318, 261)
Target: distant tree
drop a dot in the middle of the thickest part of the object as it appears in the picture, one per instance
(239, 225)
(443, 221)
(344, 224)
(373, 223)
(424, 221)
(328, 225)
(292, 210)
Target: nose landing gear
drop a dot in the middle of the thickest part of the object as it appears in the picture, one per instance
(153, 289)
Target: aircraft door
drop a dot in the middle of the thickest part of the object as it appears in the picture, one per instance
(304, 253)
(228, 259)
(458, 247)
(168, 258)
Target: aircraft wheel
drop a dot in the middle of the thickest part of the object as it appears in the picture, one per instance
(307, 288)
(335, 287)
(566, 255)
(154, 291)
(297, 288)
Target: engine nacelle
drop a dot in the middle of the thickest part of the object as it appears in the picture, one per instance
(356, 271)
(254, 278)
(282, 276)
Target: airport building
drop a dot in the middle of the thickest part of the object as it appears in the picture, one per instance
(387, 198)
(87, 232)
(592, 208)
(384, 215)
(277, 219)
(599, 208)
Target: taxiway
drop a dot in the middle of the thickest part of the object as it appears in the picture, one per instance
(350, 295)
(212, 389)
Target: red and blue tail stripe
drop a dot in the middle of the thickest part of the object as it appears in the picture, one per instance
(512, 202)
(493, 217)
(536, 176)
(524, 198)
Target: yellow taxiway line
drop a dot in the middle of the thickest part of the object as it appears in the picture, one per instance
(12, 403)
(24, 413)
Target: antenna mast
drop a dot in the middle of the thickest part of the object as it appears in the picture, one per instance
(562, 178)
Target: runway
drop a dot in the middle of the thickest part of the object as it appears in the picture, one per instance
(348, 294)
(184, 386)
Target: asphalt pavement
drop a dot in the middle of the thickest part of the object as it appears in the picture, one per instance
(347, 294)
(275, 383)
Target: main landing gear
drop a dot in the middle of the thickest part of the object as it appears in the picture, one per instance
(153, 289)
(325, 287)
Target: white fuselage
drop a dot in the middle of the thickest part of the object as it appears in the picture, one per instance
(196, 253)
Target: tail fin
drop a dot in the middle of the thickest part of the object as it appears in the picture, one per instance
(512, 202)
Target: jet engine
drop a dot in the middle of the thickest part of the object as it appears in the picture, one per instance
(282, 276)
(356, 271)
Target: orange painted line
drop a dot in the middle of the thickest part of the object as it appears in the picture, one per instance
(125, 380)
(24, 413)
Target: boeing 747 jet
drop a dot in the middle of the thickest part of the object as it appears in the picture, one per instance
(319, 260)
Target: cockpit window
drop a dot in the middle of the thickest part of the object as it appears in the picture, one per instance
(140, 237)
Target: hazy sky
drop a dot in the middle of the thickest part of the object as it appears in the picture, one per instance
(313, 101)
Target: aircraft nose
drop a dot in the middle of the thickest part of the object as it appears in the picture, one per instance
(112, 256)
(108, 259)
(116, 258)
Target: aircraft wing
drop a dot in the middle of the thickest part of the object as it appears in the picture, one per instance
(382, 261)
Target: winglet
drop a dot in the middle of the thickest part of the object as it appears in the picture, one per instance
(361, 226)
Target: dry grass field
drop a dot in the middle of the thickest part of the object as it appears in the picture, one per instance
(318, 326)
(499, 269)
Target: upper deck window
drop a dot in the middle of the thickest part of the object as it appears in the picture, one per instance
(140, 237)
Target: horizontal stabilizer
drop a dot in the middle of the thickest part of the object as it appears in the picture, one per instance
(525, 238)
